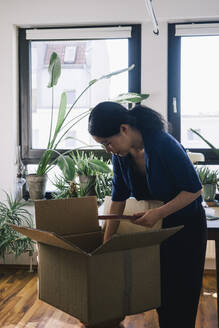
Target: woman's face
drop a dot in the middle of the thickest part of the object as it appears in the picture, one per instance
(119, 144)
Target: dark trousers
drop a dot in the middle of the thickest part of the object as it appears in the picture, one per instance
(182, 266)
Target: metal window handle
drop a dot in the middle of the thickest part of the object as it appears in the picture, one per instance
(174, 105)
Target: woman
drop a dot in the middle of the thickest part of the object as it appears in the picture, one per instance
(148, 163)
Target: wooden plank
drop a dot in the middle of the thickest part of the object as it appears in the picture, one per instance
(19, 306)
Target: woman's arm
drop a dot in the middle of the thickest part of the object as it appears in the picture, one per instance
(112, 226)
(152, 216)
(183, 199)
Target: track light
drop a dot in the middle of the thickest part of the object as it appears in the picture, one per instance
(151, 13)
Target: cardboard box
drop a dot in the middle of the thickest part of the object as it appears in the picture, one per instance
(94, 282)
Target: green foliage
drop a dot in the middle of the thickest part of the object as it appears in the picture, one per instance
(207, 176)
(88, 164)
(63, 126)
(54, 69)
(78, 164)
(65, 188)
(103, 185)
(131, 97)
(67, 166)
(61, 117)
(81, 163)
(216, 151)
(12, 242)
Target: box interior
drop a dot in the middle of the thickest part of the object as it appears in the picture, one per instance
(88, 242)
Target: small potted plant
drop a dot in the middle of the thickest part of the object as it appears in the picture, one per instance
(209, 179)
(94, 176)
(11, 242)
(87, 168)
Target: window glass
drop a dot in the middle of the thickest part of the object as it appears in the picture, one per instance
(199, 90)
(82, 61)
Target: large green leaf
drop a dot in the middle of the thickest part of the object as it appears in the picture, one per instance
(46, 161)
(61, 116)
(207, 142)
(67, 166)
(99, 166)
(54, 69)
(131, 97)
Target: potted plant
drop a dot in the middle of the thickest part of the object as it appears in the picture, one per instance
(93, 174)
(87, 168)
(209, 179)
(11, 242)
(47, 160)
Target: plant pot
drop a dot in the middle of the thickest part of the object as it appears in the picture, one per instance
(87, 184)
(209, 192)
(36, 185)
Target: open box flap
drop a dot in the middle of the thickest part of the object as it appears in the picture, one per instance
(136, 240)
(65, 216)
(48, 238)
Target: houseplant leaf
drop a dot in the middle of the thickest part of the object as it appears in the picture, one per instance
(46, 162)
(54, 69)
(61, 117)
(67, 166)
(207, 142)
(130, 97)
(99, 166)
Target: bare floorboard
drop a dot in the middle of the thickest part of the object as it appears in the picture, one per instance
(19, 306)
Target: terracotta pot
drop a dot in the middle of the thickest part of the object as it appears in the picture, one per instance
(36, 185)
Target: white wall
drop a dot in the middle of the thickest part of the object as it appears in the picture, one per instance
(84, 12)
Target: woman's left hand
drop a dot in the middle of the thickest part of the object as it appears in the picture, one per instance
(149, 218)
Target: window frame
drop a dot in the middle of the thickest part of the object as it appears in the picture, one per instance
(32, 156)
(174, 78)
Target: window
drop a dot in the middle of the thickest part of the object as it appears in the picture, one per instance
(85, 53)
(70, 54)
(71, 96)
(193, 85)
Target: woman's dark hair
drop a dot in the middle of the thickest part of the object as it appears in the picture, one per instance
(105, 119)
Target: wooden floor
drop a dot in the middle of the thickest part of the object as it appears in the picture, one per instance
(19, 306)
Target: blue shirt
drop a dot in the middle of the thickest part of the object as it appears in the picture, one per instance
(168, 172)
